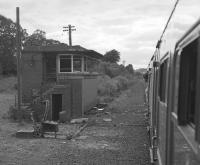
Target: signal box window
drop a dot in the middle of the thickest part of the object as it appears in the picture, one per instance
(163, 79)
(85, 64)
(77, 63)
(65, 64)
(71, 63)
(187, 84)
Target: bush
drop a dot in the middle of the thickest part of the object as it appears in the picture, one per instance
(114, 79)
(15, 114)
(38, 111)
(107, 86)
(25, 114)
(112, 87)
(122, 82)
(110, 69)
(105, 99)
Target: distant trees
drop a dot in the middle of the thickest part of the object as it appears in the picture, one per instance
(129, 68)
(38, 38)
(112, 56)
(110, 65)
(111, 69)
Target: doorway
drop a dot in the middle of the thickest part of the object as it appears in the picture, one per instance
(56, 106)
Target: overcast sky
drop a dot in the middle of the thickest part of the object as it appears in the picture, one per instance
(130, 26)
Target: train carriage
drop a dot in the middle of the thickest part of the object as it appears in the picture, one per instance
(174, 89)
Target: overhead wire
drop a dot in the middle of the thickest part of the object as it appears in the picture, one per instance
(156, 52)
(174, 8)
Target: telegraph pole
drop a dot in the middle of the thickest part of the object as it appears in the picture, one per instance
(69, 28)
(18, 46)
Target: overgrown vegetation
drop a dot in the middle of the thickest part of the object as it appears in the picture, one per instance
(15, 114)
(113, 79)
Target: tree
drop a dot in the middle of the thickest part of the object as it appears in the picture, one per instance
(130, 69)
(38, 38)
(8, 44)
(112, 56)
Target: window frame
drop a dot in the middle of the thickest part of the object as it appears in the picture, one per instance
(197, 97)
(183, 114)
(164, 63)
(59, 69)
(72, 56)
(191, 134)
(81, 62)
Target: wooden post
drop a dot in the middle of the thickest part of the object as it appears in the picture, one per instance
(18, 47)
(70, 35)
(69, 28)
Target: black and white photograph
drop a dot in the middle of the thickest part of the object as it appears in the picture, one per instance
(109, 82)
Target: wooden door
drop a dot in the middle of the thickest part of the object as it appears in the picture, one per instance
(56, 106)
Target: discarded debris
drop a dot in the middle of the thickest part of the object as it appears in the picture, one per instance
(63, 142)
(80, 120)
(107, 119)
(93, 110)
(104, 146)
(69, 136)
(101, 105)
(98, 108)
(77, 133)
(108, 113)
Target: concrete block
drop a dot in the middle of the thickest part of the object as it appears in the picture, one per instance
(25, 134)
(63, 116)
(79, 120)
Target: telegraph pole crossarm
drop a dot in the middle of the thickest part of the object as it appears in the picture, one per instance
(69, 28)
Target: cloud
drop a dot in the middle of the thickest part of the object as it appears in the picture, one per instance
(129, 26)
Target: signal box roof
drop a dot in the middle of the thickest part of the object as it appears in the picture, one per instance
(77, 49)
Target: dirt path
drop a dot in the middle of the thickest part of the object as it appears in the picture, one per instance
(121, 141)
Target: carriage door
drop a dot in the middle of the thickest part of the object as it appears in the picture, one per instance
(162, 108)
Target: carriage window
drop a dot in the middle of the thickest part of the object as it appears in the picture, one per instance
(163, 79)
(187, 84)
